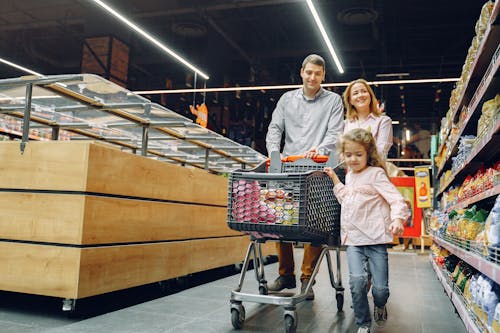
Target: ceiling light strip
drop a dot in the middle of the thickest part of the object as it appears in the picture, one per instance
(24, 69)
(153, 40)
(325, 36)
(284, 87)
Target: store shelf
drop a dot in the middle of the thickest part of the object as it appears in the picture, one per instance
(490, 269)
(478, 197)
(462, 309)
(486, 49)
(473, 109)
(488, 144)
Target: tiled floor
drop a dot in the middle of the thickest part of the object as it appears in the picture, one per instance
(417, 304)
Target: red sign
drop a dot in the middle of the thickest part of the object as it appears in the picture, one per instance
(406, 186)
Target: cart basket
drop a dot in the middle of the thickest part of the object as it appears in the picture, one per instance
(288, 206)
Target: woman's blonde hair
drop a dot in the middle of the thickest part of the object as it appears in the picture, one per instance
(351, 112)
(364, 138)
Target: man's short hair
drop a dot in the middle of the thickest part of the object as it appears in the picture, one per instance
(314, 59)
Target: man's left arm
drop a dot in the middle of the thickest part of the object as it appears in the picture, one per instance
(335, 127)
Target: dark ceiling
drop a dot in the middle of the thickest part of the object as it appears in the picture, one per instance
(255, 42)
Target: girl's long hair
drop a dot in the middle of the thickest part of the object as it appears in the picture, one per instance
(364, 138)
(351, 113)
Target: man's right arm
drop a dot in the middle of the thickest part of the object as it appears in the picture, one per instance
(276, 128)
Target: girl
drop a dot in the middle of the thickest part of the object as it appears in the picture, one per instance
(373, 211)
(362, 111)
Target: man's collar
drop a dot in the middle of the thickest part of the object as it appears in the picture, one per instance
(317, 95)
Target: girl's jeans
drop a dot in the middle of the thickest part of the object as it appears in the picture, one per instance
(376, 258)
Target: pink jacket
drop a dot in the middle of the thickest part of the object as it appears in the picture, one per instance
(381, 129)
(370, 202)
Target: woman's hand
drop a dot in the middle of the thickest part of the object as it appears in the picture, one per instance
(397, 227)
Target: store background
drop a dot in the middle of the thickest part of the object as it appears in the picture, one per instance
(239, 42)
(263, 42)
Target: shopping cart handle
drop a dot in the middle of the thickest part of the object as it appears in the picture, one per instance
(317, 159)
(290, 159)
(275, 163)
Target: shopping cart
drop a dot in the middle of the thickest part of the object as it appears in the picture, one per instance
(291, 202)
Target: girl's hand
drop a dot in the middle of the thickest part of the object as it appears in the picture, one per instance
(397, 227)
(329, 171)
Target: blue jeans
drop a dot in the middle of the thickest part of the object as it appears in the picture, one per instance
(376, 258)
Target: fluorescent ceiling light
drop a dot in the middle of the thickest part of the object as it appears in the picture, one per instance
(24, 69)
(153, 40)
(392, 74)
(284, 87)
(325, 36)
(263, 88)
(395, 122)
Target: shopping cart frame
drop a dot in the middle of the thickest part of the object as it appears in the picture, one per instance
(254, 252)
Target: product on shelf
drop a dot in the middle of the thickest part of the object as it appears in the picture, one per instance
(492, 232)
(485, 298)
(254, 202)
(489, 112)
(496, 320)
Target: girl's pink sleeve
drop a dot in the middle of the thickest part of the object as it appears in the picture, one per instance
(340, 192)
(399, 209)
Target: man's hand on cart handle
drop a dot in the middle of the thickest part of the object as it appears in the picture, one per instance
(312, 153)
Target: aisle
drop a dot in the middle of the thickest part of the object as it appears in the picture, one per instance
(417, 304)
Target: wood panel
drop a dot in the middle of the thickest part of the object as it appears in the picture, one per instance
(70, 272)
(110, 220)
(54, 218)
(39, 269)
(56, 165)
(112, 171)
(83, 219)
(106, 269)
(95, 167)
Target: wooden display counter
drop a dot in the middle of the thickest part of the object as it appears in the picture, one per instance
(79, 219)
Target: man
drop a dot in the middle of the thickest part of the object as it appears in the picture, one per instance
(422, 140)
(312, 119)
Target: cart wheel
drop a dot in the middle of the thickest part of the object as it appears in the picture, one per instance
(290, 324)
(238, 317)
(238, 267)
(340, 301)
(263, 290)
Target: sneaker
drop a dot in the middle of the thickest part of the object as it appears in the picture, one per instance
(380, 316)
(364, 329)
(310, 294)
(282, 282)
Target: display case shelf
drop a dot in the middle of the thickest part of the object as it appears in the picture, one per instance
(91, 107)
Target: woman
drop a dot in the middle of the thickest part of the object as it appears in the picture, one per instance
(362, 111)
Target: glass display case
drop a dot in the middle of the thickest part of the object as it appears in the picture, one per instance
(88, 107)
